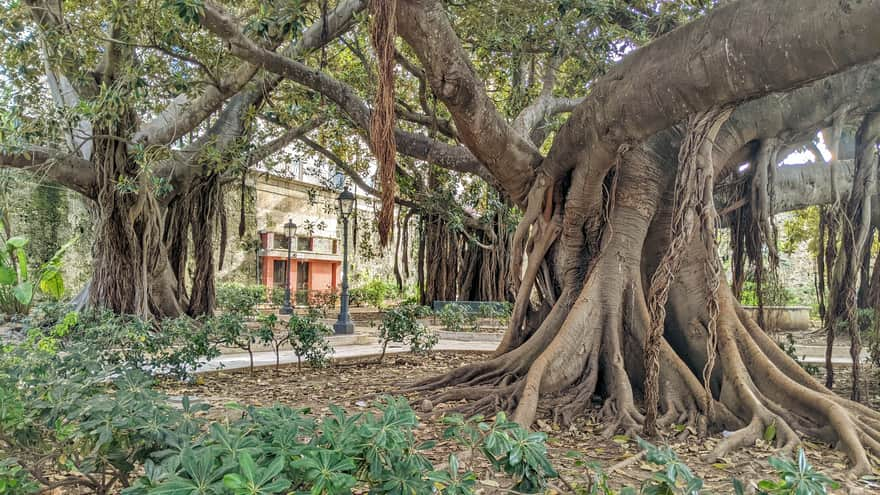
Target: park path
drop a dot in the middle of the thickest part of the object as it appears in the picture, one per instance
(342, 352)
(347, 348)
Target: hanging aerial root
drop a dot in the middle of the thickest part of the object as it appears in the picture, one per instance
(693, 183)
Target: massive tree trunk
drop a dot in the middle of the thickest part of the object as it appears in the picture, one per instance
(609, 213)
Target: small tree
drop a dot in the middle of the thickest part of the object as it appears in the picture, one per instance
(230, 330)
(308, 337)
(401, 324)
(268, 335)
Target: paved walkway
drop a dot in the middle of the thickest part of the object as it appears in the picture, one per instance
(342, 352)
(351, 347)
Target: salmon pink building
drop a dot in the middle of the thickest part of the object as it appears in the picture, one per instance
(316, 252)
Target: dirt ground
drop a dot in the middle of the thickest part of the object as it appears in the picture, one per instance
(354, 385)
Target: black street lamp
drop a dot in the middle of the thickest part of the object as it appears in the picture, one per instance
(345, 204)
(286, 308)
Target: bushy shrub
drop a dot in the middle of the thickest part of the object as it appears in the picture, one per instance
(500, 312)
(457, 318)
(72, 422)
(167, 347)
(401, 324)
(69, 420)
(269, 334)
(308, 337)
(240, 299)
(508, 446)
(374, 293)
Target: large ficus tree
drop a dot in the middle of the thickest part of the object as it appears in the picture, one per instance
(611, 153)
(615, 250)
(127, 103)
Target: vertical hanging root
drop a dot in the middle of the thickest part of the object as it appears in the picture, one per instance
(693, 183)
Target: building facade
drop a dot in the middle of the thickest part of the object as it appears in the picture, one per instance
(315, 267)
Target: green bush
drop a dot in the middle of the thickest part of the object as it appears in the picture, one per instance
(508, 446)
(374, 293)
(308, 337)
(775, 293)
(230, 329)
(167, 347)
(101, 429)
(457, 318)
(401, 324)
(90, 426)
(240, 299)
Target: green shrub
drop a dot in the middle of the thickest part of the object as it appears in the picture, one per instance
(168, 347)
(401, 324)
(374, 293)
(18, 286)
(231, 330)
(775, 293)
(268, 334)
(796, 478)
(240, 299)
(324, 301)
(101, 429)
(90, 426)
(14, 480)
(457, 318)
(308, 337)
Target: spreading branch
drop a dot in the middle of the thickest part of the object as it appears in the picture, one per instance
(66, 169)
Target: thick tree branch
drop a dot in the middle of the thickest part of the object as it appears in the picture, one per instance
(290, 135)
(738, 51)
(415, 145)
(509, 156)
(182, 115)
(66, 169)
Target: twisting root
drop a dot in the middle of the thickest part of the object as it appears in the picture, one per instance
(693, 181)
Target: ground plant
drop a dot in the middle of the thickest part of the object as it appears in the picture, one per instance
(269, 333)
(239, 298)
(457, 318)
(401, 324)
(19, 284)
(308, 338)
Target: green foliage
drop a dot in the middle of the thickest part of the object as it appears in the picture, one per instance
(18, 286)
(14, 480)
(308, 337)
(775, 294)
(268, 334)
(401, 324)
(675, 478)
(374, 293)
(90, 424)
(796, 478)
(230, 329)
(239, 298)
(508, 447)
(166, 347)
(457, 318)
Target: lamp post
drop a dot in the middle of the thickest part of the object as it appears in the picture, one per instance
(345, 204)
(286, 308)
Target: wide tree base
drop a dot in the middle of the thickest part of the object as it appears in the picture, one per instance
(592, 346)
